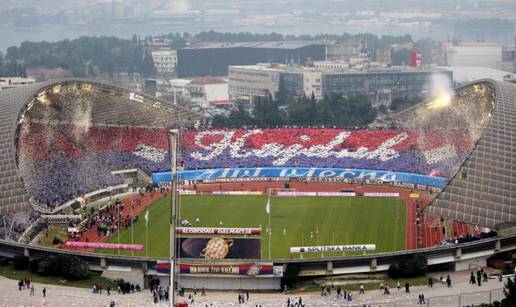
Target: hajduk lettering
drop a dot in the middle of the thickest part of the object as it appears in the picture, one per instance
(283, 154)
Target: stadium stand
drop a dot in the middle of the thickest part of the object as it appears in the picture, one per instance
(63, 161)
(423, 152)
(61, 139)
(79, 103)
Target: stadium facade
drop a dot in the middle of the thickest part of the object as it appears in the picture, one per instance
(472, 195)
(481, 192)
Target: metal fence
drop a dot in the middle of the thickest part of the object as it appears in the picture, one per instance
(460, 300)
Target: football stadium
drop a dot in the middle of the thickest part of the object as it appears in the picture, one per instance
(86, 170)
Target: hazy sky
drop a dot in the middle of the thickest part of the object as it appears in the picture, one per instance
(420, 18)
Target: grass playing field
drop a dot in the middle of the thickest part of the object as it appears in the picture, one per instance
(294, 220)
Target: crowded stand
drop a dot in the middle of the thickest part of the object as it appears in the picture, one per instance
(469, 237)
(429, 152)
(60, 162)
(66, 149)
(63, 162)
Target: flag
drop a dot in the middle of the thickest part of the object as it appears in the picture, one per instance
(146, 217)
(268, 206)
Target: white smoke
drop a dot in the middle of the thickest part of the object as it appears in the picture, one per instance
(441, 85)
(81, 117)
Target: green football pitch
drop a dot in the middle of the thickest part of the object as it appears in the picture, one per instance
(295, 221)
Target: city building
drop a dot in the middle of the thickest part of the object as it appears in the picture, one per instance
(343, 51)
(165, 61)
(383, 55)
(379, 84)
(10, 82)
(172, 7)
(247, 82)
(480, 54)
(214, 59)
(206, 92)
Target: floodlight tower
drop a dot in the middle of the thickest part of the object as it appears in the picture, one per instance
(173, 139)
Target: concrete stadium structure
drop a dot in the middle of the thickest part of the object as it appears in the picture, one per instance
(117, 107)
(482, 191)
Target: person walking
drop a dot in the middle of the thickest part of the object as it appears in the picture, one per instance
(44, 292)
(362, 290)
(407, 287)
(386, 290)
(32, 290)
(430, 282)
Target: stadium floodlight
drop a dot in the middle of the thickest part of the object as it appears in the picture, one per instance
(440, 102)
(173, 139)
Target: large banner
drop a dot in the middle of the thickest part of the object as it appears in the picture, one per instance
(252, 269)
(301, 172)
(237, 193)
(61, 218)
(333, 248)
(295, 193)
(218, 231)
(382, 194)
(258, 269)
(220, 248)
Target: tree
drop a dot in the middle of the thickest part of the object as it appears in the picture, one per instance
(290, 274)
(20, 262)
(406, 268)
(219, 121)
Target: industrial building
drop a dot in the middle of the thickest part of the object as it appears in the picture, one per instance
(214, 59)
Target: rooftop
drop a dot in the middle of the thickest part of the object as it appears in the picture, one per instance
(207, 80)
(274, 45)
